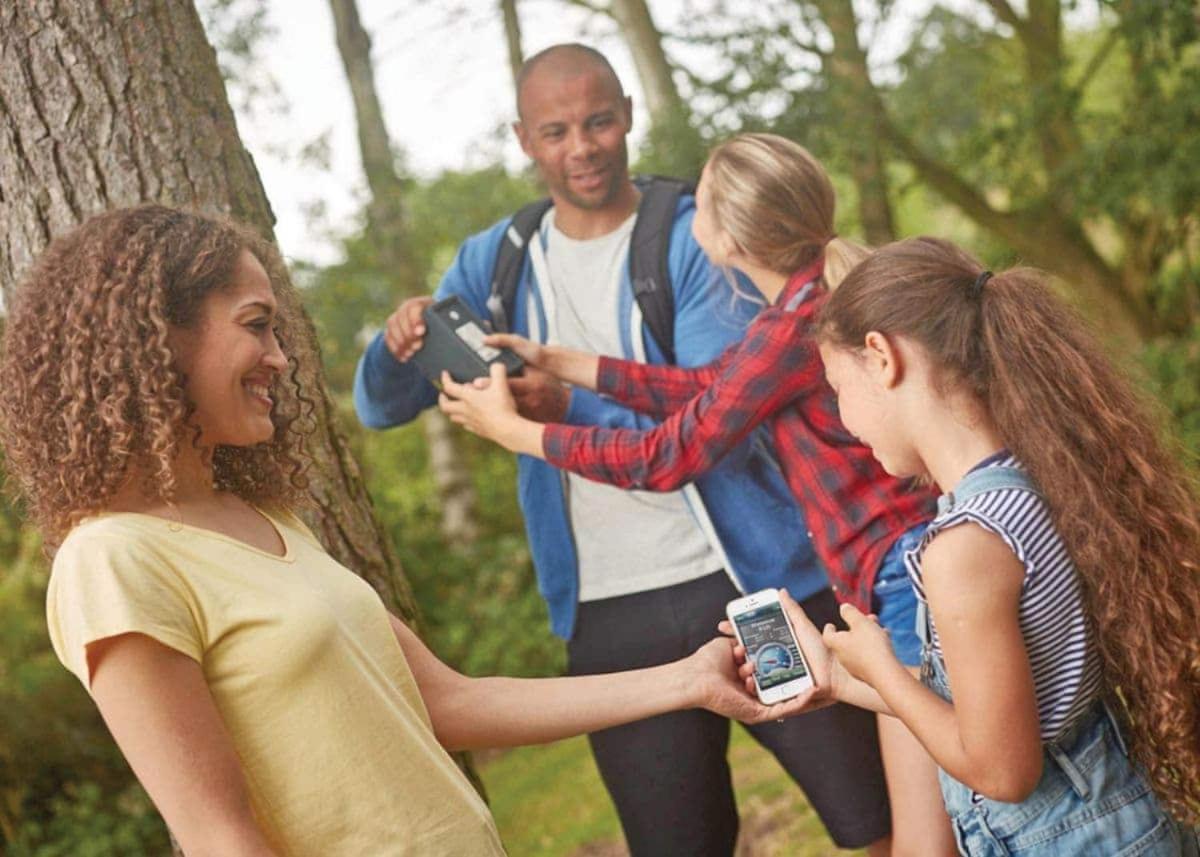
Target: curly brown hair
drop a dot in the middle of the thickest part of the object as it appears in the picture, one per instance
(90, 391)
(1121, 496)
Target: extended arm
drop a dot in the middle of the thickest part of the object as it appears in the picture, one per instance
(774, 365)
(159, 709)
(469, 713)
(989, 737)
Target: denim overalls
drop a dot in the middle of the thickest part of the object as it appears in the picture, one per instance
(1091, 801)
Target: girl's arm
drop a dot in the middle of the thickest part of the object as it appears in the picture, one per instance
(989, 739)
(774, 366)
(471, 713)
(655, 390)
(159, 709)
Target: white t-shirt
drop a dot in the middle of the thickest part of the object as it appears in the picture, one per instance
(627, 541)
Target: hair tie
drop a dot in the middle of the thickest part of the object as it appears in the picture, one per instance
(977, 286)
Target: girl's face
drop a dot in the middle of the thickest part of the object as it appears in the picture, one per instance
(870, 404)
(232, 359)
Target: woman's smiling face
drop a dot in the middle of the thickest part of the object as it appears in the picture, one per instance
(231, 359)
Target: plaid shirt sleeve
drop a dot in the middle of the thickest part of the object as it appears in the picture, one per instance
(773, 365)
(656, 390)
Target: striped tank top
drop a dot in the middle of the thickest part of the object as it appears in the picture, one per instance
(1058, 635)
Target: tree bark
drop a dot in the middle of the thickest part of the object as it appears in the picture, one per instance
(512, 37)
(388, 233)
(850, 88)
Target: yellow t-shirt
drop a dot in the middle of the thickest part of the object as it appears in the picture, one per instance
(335, 742)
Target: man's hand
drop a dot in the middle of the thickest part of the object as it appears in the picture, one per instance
(540, 396)
(404, 331)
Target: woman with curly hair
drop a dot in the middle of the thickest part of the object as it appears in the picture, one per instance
(153, 408)
(1060, 690)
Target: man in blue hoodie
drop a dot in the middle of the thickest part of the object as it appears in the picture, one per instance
(635, 578)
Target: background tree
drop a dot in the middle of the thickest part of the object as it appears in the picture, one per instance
(387, 234)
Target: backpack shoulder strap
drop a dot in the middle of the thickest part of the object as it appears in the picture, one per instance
(649, 273)
(510, 259)
(982, 481)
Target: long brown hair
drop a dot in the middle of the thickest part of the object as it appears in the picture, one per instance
(1123, 501)
(778, 203)
(90, 393)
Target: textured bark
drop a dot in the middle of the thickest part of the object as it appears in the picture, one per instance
(108, 104)
(850, 88)
(387, 230)
(512, 37)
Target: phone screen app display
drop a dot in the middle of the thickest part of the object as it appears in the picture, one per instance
(770, 646)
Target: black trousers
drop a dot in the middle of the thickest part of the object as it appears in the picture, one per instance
(668, 775)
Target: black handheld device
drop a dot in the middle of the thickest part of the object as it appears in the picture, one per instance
(454, 343)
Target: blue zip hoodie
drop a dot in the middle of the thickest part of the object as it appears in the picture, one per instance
(743, 505)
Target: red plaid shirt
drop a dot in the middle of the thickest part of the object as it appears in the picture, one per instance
(854, 510)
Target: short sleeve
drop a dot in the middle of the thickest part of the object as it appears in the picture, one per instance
(103, 585)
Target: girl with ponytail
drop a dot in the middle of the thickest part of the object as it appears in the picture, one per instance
(1060, 687)
(765, 207)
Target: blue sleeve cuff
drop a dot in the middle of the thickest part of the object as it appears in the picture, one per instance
(387, 392)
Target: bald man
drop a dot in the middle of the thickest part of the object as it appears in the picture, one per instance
(634, 578)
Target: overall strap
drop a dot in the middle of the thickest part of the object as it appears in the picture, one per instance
(981, 481)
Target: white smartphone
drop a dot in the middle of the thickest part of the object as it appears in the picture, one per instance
(763, 629)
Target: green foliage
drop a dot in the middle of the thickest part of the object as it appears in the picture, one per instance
(481, 607)
(64, 788)
(1174, 366)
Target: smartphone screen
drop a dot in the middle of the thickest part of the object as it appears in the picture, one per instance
(770, 645)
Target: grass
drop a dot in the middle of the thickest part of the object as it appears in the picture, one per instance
(549, 802)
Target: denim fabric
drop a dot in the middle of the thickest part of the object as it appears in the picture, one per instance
(1091, 799)
(894, 601)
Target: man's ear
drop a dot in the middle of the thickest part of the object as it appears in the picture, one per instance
(628, 112)
(522, 136)
(885, 363)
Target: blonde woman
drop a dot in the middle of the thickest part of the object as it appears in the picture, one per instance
(766, 208)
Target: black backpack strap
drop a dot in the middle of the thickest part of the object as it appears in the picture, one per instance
(506, 274)
(648, 249)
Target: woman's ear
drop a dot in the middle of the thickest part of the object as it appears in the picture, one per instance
(884, 361)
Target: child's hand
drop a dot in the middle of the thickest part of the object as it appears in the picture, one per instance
(713, 681)
(863, 648)
(485, 406)
(528, 350)
(821, 663)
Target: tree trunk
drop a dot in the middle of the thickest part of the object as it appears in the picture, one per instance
(512, 37)
(645, 43)
(675, 146)
(850, 89)
(388, 233)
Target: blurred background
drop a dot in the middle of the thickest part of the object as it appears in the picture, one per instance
(1058, 133)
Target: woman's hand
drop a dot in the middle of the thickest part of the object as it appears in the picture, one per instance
(864, 648)
(486, 407)
(712, 673)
